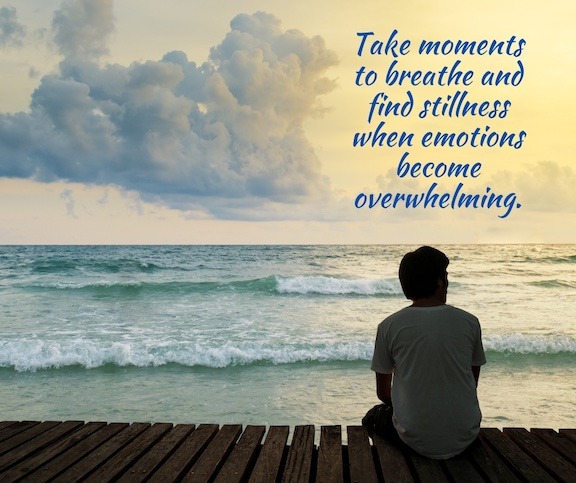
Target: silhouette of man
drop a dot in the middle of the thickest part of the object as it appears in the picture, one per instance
(427, 360)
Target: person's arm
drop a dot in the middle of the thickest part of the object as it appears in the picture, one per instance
(476, 372)
(384, 387)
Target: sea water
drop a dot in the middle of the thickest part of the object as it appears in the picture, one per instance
(266, 334)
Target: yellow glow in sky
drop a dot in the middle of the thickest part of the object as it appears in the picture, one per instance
(284, 168)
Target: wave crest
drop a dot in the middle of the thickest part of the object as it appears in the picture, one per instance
(530, 344)
(324, 285)
(35, 354)
(304, 285)
(32, 354)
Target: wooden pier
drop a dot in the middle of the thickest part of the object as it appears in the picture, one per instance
(76, 451)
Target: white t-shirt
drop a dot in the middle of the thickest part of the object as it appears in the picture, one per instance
(431, 350)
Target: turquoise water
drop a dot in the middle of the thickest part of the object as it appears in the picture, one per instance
(265, 334)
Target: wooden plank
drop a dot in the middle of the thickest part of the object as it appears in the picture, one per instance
(243, 455)
(7, 428)
(428, 470)
(12, 430)
(518, 460)
(489, 463)
(561, 444)
(120, 462)
(186, 454)
(31, 464)
(329, 467)
(393, 464)
(69, 457)
(21, 437)
(271, 455)
(568, 433)
(460, 468)
(554, 463)
(299, 460)
(215, 454)
(71, 450)
(39, 442)
(153, 459)
(97, 457)
(360, 459)
(5, 424)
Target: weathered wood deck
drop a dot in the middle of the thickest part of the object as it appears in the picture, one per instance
(73, 450)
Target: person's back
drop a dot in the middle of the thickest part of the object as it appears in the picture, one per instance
(434, 352)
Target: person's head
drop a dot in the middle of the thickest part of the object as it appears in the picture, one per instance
(422, 272)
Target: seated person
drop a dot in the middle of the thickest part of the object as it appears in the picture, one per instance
(427, 360)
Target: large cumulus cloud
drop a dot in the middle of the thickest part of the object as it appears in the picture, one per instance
(226, 132)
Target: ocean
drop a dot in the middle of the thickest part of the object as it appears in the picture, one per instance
(266, 334)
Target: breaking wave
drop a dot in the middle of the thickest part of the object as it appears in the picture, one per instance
(302, 285)
(32, 354)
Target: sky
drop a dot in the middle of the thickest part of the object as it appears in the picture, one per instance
(146, 122)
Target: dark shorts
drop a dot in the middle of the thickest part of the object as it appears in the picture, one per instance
(378, 422)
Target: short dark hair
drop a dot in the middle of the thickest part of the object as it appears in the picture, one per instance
(420, 271)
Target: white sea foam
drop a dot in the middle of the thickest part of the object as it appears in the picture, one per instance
(336, 286)
(91, 284)
(32, 354)
(530, 344)
(35, 354)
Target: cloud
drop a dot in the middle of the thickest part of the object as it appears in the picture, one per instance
(82, 27)
(225, 136)
(544, 186)
(12, 33)
(68, 198)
